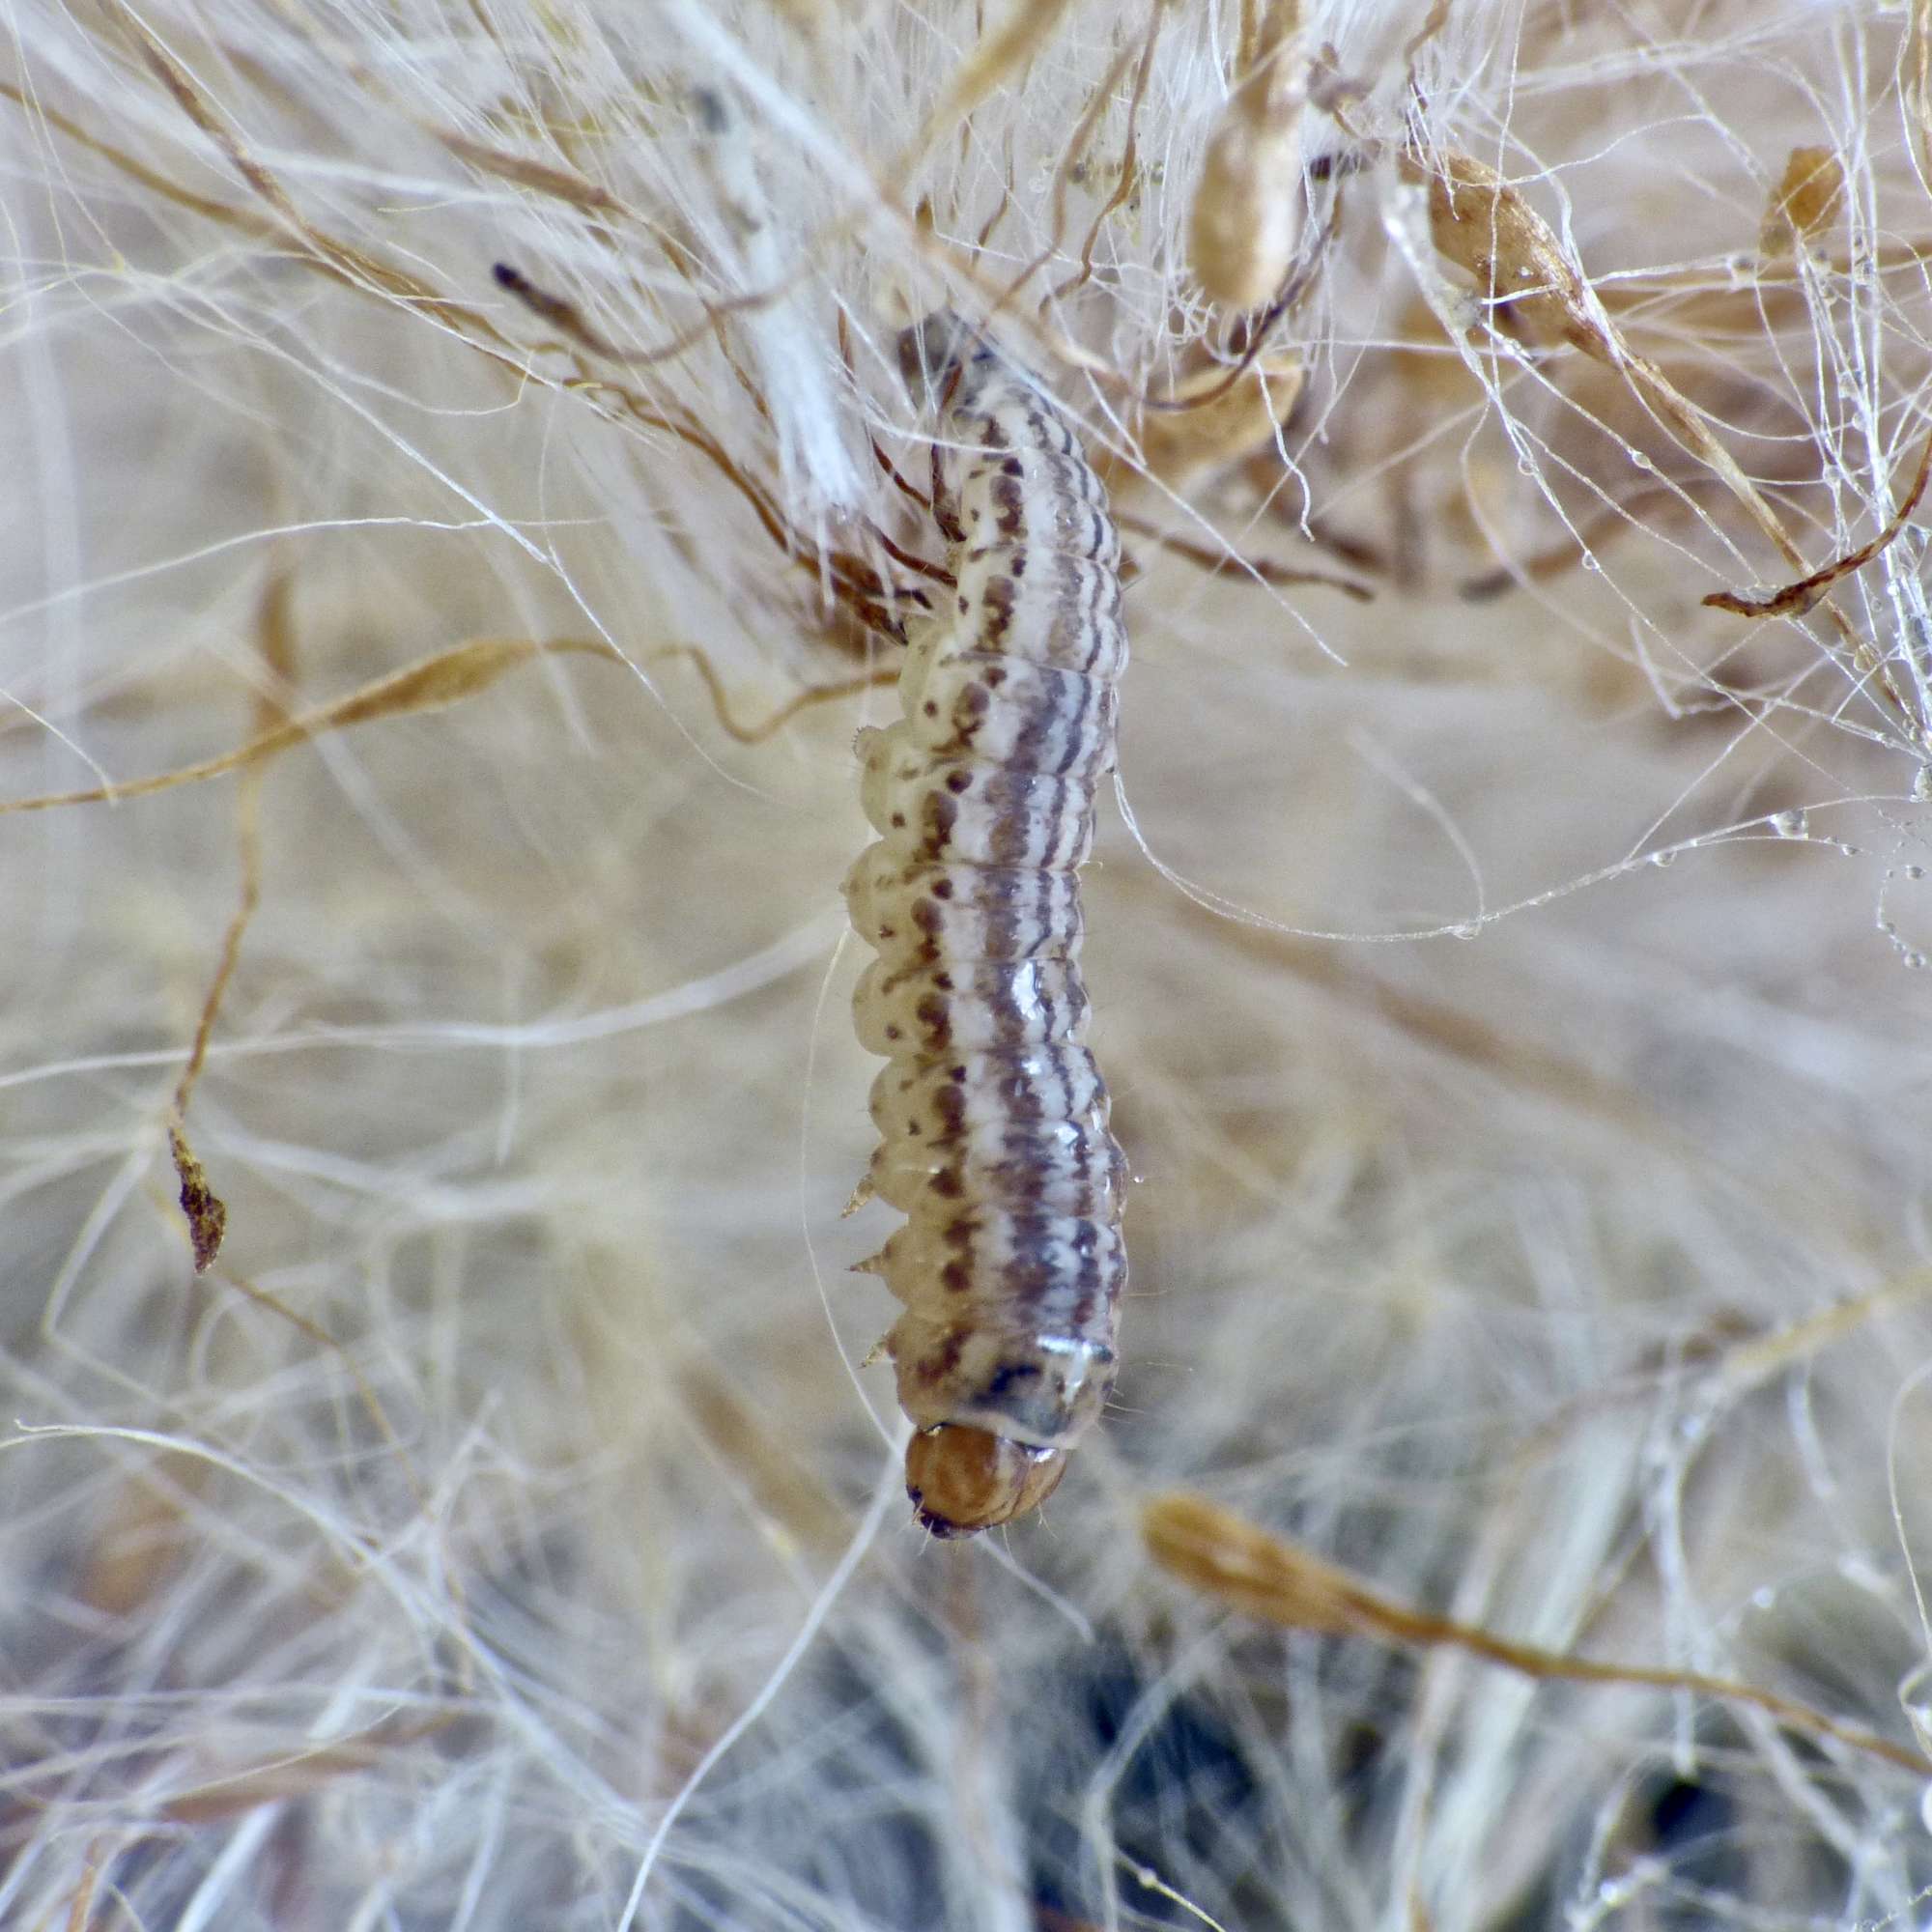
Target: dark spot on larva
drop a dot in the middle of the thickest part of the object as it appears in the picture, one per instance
(965, 605)
(930, 709)
(940, 815)
(944, 981)
(947, 1185)
(942, 889)
(899, 821)
(892, 1032)
(995, 677)
(958, 782)
(1003, 1379)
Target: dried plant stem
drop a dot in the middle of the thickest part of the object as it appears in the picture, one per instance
(1228, 1557)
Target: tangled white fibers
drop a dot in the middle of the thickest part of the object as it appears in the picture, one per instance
(460, 503)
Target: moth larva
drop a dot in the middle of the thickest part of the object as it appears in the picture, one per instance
(992, 1115)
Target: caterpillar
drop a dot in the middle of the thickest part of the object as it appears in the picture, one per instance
(992, 1115)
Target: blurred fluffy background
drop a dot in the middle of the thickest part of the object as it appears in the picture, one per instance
(1508, 966)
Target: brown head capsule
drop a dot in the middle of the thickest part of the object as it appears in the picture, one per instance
(994, 1119)
(961, 1479)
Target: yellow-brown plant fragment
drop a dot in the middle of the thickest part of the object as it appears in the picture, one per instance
(1246, 214)
(205, 1212)
(1238, 1561)
(1805, 200)
(1485, 226)
(1214, 417)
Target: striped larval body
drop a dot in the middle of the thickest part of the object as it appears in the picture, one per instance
(992, 1115)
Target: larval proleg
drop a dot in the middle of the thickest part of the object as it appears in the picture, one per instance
(993, 1117)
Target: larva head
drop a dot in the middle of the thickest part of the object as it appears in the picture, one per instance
(931, 351)
(963, 1479)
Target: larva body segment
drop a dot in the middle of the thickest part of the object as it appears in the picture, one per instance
(992, 1115)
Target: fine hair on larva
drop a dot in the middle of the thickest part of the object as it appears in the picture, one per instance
(992, 1114)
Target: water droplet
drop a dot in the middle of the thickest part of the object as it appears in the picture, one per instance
(1466, 928)
(1788, 824)
(1588, 561)
(1524, 466)
(1912, 871)
(1640, 461)
(1921, 786)
(1913, 962)
(1667, 857)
